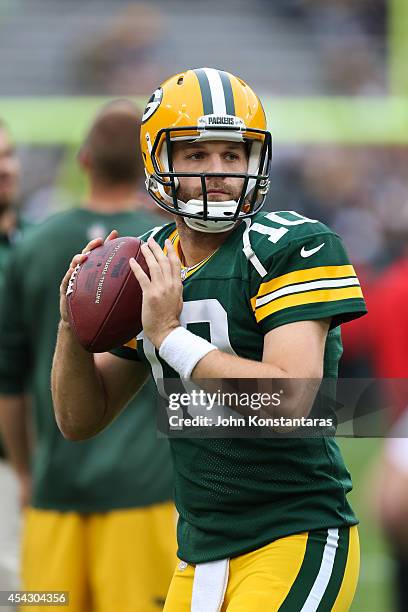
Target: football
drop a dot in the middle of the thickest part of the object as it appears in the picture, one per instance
(104, 298)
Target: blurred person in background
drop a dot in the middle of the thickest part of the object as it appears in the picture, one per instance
(11, 223)
(382, 339)
(100, 523)
(14, 488)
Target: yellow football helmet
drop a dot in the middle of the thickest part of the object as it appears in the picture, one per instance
(205, 104)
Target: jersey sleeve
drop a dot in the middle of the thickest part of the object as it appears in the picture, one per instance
(14, 347)
(308, 279)
(151, 233)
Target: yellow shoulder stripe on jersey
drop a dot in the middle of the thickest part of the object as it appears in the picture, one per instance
(186, 271)
(132, 344)
(308, 297)
(302, 276)
(173, 237)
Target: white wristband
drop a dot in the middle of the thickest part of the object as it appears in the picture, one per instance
(182, 350)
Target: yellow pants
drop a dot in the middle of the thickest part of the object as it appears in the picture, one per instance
(302, 572)
(119, 561)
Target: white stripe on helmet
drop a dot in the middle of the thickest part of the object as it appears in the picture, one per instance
(217, 91)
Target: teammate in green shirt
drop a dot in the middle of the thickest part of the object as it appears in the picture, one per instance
(11, 224)
(14, 487)
(233, 293)
(101, 523)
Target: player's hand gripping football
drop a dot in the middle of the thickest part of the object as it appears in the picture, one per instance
(79, 258)
(162, 293)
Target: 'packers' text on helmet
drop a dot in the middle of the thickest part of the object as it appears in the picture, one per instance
(205, 105)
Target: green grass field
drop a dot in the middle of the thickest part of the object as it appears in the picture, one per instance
(374, 593)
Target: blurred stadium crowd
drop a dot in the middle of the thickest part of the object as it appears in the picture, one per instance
(302, 47)
(116, 46)
(336, 48)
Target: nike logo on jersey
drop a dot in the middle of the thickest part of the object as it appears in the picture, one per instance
(308, 252)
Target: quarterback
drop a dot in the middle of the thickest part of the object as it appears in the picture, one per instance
(264, 524)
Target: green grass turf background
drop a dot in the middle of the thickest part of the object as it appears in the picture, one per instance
(375, 589)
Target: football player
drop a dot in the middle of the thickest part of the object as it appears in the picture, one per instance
(99, 523)
(14, 487)
(264, 523)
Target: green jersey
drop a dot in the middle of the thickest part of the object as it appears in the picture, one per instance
(125, 465)
(236, 495)
(6, 243)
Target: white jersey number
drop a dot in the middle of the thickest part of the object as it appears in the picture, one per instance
(276, 233)
(208, 311)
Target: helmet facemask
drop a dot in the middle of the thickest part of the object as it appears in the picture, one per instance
(206, 215)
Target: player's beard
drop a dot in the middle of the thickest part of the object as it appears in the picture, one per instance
(231, 192)
(207, 240)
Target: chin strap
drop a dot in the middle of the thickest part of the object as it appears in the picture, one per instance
(249, 253)
(209, 225)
